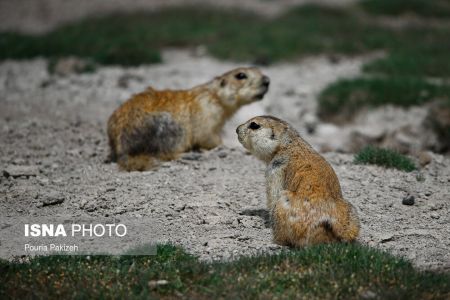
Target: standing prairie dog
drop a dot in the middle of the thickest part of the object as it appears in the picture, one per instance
(159, 125)
(304, 196)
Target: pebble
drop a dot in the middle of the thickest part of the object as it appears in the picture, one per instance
(179, 208)
(17, 171)
(43, 181)
(52, 198)
(434, 216)
(222, 154)
(425, 158)
(83, 203)
(69, 65)
(90, 207)
(155, 283)
(368, 295)
(408, 200)
(386, 238)
(192, 156)
(436, 206)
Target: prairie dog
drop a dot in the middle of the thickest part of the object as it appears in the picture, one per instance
(159, 125)
(304, 196)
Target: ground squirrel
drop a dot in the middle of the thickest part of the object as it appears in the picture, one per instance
(304, 196)
(158, 125)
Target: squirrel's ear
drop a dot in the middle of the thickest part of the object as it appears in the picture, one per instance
(223, 82)
(287, 137)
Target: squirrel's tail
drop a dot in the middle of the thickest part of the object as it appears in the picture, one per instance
(347, 228)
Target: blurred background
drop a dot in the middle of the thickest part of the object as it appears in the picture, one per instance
(346, 73)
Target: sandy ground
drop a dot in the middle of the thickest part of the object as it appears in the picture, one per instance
(38, 16)
(52, 129)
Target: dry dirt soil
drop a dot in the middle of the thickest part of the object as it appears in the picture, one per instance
(53, 147)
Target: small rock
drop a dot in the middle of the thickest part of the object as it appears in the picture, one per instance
(125, 79)
(425, 158)
(222, 154)
(386, 238)
(179, 208)
(428, 193)
(18, 161)
(368, 295)
(83, 203)
(434, 215)
(70, 65)
(52, 198)
(362, 136)
(74, 152)
(289, 92)
(156, 283)
(436, 206)
(43, 181)
(17, 171)
(91, 207)
(192, 156)
(408, 200)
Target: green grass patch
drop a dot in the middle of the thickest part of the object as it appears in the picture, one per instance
(342, 99)
(416, 52)
(385, 158)
(417, 65)
(401, 77)
(306, 30)
(346, 271)
(426, 8)
(128, 39)
(133, 39)
(138, 38)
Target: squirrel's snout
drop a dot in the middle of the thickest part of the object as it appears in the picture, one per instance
(239, 133)
(238, 129)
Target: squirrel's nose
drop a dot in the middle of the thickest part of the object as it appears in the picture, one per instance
(265, 81)
(238, 129)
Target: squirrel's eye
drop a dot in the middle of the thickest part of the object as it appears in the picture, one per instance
(240, 76)
(254, 126)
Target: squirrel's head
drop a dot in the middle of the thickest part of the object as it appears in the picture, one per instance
(241, 86)
(263, 136)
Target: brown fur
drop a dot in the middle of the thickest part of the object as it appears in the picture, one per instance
(159, 125)
(303, 192)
